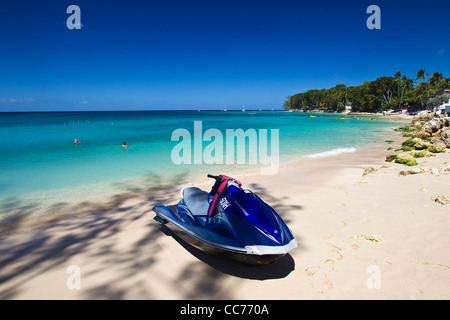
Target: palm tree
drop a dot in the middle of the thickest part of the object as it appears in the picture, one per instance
(421, 75)
(437, 80)
(418, 95)
(406, 84)
(446, 83)
(398, 79)
(397, 75)
(342, 97)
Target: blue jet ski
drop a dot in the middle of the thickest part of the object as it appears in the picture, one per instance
(229, 221)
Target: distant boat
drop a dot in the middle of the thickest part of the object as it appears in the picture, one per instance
(243, 109)
(225, 109)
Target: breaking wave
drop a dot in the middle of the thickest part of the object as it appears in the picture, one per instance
(331, 152)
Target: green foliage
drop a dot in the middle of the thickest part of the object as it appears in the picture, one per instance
(422, 154)
(437, 101)
(409, 143)
(384, 93)
(408, 135)
(370, 237)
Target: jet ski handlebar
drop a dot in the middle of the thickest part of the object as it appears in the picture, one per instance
(222, 178)
(218, 178)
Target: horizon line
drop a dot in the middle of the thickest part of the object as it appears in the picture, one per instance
(141, 110)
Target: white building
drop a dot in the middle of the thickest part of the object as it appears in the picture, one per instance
(443, 108)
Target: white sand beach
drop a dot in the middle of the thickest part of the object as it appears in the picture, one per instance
(326, 202)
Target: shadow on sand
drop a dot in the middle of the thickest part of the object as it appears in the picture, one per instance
(95, 237)
(277, 270)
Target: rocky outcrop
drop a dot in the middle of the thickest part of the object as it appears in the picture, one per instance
(437, 147)
(391, 158)
(421, 144)
(406, 159)
(434, 127)
(428, 135)
(424, 135)
(443, 169)
(422, 154)
(445, 137)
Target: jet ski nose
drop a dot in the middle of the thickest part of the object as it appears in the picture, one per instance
(258, 213)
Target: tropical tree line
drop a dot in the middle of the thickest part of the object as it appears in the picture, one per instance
(385, 93)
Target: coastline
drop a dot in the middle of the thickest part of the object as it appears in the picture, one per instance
(326, 202)
(386, 116)
(24, 210)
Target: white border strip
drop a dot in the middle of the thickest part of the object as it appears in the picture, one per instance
(262, 250)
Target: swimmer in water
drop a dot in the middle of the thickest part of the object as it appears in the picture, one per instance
(125, 145)
(76, 141)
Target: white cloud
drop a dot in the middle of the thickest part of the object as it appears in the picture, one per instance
(15, 100)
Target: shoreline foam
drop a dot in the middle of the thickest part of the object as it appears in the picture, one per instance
(331, 152)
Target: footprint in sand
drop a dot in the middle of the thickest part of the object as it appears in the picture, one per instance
(337, 254)
(330, 264)
(322, 285)
(326, 285)
(311, 270)
(320, 282)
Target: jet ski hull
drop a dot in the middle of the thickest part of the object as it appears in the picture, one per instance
(249, 254)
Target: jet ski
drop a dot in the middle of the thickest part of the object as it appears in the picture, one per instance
(228, 221)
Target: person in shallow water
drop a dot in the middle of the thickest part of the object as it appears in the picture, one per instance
(125, 145)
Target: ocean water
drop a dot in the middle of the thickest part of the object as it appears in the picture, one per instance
(42, 170)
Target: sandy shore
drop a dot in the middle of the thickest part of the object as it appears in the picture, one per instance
(326, 202)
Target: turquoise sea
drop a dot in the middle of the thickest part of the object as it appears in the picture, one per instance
(43, 170)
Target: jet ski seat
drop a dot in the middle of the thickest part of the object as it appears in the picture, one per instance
(196, 200)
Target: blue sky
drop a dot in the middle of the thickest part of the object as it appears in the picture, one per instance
(135, 55)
